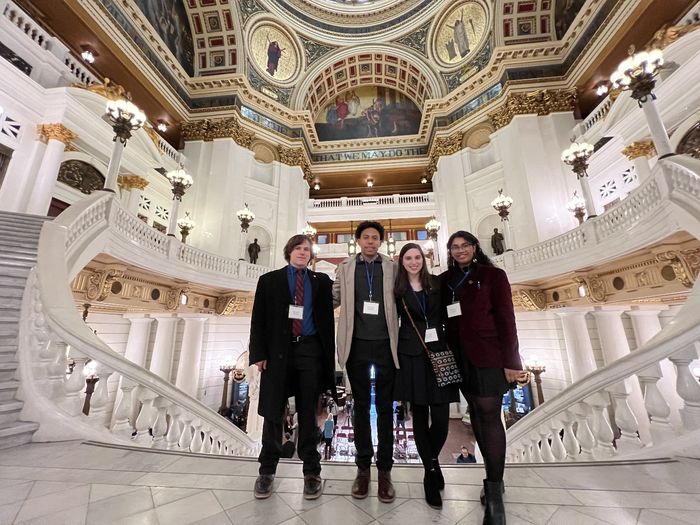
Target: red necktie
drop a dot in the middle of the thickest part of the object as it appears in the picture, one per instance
(298, 324)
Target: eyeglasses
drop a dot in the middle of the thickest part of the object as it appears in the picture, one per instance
(461, 247)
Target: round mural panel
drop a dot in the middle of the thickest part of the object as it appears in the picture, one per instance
(274, 53)
(460, 32)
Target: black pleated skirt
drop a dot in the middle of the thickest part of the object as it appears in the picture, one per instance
(415, 382)
(482, 382)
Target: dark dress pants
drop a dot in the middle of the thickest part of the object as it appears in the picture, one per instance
(364, 354)
(304, 366)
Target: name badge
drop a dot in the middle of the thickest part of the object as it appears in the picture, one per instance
(454, 310)
(431, 335)
(296, 312)
(370, 308)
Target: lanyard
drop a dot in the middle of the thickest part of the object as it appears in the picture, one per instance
(461, 281)
(422, 299)
(370, 278)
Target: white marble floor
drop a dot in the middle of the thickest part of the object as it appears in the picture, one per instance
(85, 483)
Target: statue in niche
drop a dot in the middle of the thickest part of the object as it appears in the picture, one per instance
(459, 32)
(497, 242)
(253, 251)
(274, 53)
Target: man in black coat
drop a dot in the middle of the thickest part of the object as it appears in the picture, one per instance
(292, 342)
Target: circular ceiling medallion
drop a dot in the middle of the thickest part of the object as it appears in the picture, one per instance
(274, 53)
(460, 33)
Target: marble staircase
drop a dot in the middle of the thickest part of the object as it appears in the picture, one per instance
(19, 238)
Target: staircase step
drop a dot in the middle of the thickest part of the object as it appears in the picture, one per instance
(9, 411)
(14, 271)
(8, 389)
(13, 303)
(10, 225)
(18, 243)
(20, 250)
(16, 433)
(19, 233)
(7, 292)
(7, 370)
(8, 355)
(19, 257)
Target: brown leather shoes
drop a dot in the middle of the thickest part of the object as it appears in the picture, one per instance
(360, 487)
(386, 492)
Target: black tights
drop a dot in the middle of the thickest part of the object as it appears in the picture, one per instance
(485, 415)
(430, 437)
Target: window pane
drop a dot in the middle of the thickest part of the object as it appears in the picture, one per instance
(422, 235)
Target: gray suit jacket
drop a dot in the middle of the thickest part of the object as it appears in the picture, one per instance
(344, 296)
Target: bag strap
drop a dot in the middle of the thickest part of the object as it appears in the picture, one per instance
(410, 318)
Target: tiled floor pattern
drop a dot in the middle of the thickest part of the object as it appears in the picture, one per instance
(73, 483)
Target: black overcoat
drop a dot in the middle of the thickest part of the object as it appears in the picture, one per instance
(271, 333)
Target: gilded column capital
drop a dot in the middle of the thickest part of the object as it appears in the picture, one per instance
(641, 148)
(296, 157)
(530, 299)
(100, 283)
(210, 129)
(236, 303)
(541, 102)
(669, 34)
(443, 146)
(685, 264)
(55, 131)
(129, 182)
(594, 288)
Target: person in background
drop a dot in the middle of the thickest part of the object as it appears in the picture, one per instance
(368, 330)
(477, 301)
(328, 432)
(466, 456)
(333, 410)
(291, 343)
(418, 303)
(288, 446)
(400, 412)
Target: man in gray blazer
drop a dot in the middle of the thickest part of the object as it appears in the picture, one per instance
(367, 338)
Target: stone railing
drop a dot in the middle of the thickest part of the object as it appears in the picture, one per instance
(146, 409)
(574, 425)
(382, 200)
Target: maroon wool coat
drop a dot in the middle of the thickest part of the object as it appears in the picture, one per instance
(486, 329)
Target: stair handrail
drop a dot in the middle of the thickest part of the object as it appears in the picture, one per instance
(62, 243)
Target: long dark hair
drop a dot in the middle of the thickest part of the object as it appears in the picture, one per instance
(479, 255)
(401, 285)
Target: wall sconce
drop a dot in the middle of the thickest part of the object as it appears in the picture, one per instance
(162, 126)
(370, 182)
(317, 185)
(424, 180)
(88, 54)
(602, 89)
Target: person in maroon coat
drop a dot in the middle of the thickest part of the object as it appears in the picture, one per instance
(480, 325)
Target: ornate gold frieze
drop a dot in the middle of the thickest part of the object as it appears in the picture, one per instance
(237, 303)
(685, 264)
(129, 182)
(56, 131)
(100, 283)
(107, 89)
(669, 34)
(594, 288)
(530, 299)
(541, 102)
(641, 148)
(210, 129)
(172, 296)
(444, 146)
(296, 157)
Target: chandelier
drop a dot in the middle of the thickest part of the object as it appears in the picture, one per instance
(637, 73)
(125, 117)
(577, 156)
(501, 204)
(180, 180)
(245, 216)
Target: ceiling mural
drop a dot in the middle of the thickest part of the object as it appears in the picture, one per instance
(564, 14)
(368, 112)
(460, 33)
(527, 21)
(171, 22)
(273, 53)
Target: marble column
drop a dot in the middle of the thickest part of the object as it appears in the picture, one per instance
(646, 324)
(578, 342)
(164, 346)
(57, 137)
(188, 367)
(614, 345)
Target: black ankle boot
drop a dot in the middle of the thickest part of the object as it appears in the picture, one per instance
(438, 475)
(495, 512)
(482, 495)
(432, 492)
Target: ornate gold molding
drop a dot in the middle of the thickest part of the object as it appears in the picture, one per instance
(444, 146)
(641, 148)
(685, 264)
(100, 283)
(129, 182)
(172, 297)
(530, 299)
(669, 34)
(541, 102)
(296, 157)
(107, 89)
(237, 303)
(594, 287)
(56, 131)
(210, 129)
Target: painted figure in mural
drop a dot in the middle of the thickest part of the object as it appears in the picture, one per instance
(497, 242)
(341, 109)
(253, 251)
(459, 32)
(373, 114)
(353, 102)
(451, 49)
(274, 53)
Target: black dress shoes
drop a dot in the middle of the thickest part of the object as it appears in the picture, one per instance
(313, 486)
(263, 486)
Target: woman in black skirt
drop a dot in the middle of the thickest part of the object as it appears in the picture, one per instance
(477, 301)
(418, 300)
